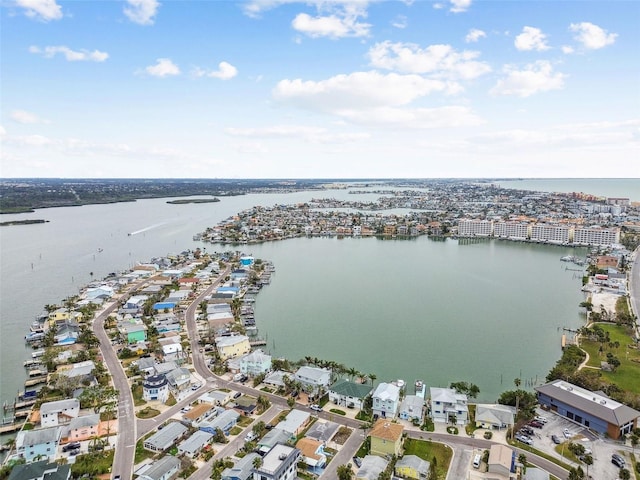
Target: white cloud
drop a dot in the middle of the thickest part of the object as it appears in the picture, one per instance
(3, 132)
(142, 12)
(308, 134)
(225, 71)
(414, 118)
(24, 117)
(458, 6)
(44, 10)
(531, 38)
(534, 78)
(330, 26)
(69, 54)
(592, 36)
(359, 90)
(375, 99)
(567, 49)
(474, 35)
(400, 21)
(163, 68)
(441, 60)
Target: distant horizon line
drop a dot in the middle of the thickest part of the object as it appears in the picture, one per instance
(331, 179)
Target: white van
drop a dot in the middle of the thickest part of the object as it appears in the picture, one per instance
(476, 461)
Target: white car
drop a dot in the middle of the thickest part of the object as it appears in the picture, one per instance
(315, 407)
(566, 433)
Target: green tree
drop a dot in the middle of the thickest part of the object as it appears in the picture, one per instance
(588, 461)
(624, 474)
(433, 469)
(522, 458)
(344, 472)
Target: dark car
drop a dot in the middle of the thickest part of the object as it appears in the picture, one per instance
(617, 460)
(71, 446)
(536, 424)
(357, 461)
(527, 430)
(555, 439)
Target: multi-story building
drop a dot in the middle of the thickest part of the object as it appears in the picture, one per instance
(596, 236)
(233, 346)
(278, 464)
(512, 230)
(475, 228)
(544, 232)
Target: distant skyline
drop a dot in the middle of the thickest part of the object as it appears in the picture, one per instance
(319, 89)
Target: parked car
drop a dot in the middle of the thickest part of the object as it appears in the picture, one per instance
(527, 430)
(524, 439)
(555, 439)
(536, 424)
(71, 446)
(237, 394)
(566, 433)
(617, 460)
(315, 407)
(357, 461)
(540, 419)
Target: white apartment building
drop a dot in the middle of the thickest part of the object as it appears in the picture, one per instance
(596, 236)
(512, 230)
(543, 232)
(475, 228)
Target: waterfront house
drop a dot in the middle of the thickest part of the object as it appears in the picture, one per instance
(411, 409)
(59, 412)
(278, 464)
(84, 428)
(255, 363)
(219, 319)
(155, 387)
(313, 379)
(193, 445)
(494, 416)
(502, 462)
(448, 405)
(232, 346)
(371, 468)
(412, 466)
(165, 438)
(164, 468)
(38, 444)
(275, 379)
(83, 371)
(312, 452)
(242, 469)
(349, 394)
(386, 438)
(40, 471)
(386, 398)
(101, 291)
(225, 421)
(593, 410)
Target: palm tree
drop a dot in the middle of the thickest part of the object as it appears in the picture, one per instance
(352, 372)
(373, 377)
(588, 461)
(344, 472)
(522, 458)
(257, 462)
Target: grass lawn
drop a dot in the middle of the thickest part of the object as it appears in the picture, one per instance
(136, 391)
(427, 450)
(627, 376)
(148, 412)
(244, 421)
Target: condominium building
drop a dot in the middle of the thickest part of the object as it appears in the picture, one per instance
(543, 232)
(474, 228)
(596, 236)
(512, 230)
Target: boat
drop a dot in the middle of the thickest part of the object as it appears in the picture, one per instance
(420, 388)
(36, 327)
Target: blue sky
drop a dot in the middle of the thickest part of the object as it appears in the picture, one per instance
(319, 88)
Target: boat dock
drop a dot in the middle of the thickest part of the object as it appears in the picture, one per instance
(35, 381)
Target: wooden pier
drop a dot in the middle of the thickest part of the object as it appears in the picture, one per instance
(35, 381)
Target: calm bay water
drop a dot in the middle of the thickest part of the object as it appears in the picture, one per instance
(602, 187)
(437, 311)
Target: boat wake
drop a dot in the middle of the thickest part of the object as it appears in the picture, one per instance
(146, 229)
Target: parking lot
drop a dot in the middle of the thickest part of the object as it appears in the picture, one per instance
(602, 468)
